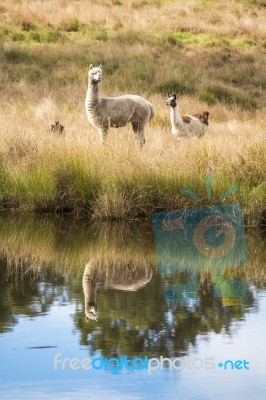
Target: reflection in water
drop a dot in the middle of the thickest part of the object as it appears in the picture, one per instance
(25, 293)
(190, 287)
(208, 237)
(142, 312)
(196, 245)
(129, 277)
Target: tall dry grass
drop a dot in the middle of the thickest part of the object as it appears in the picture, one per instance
(210, 52)
(41, 170)
(211, 16)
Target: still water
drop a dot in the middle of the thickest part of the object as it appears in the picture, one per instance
(78, 290)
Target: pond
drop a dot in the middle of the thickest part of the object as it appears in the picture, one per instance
(75, 294)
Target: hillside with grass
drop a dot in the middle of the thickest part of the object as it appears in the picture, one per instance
(210, 52)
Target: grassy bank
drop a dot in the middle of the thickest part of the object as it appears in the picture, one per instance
(210, 52)
(75, 173)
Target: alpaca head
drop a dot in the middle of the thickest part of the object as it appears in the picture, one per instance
(206, 117)
(171, 101)
(95, 74)
(91, 312)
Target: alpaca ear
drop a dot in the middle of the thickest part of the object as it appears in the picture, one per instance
(100, 66)
(90, 67)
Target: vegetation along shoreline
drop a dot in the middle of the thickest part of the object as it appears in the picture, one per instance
(209, 53)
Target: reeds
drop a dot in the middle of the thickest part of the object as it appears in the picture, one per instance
(43, 79)
(74, 172)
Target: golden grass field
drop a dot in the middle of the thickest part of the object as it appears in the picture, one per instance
(210, 52)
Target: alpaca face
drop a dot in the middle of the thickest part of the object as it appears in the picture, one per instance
(171, 101)
(95, 74)
(92, 312)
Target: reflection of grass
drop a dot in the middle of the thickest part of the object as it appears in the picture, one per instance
(46, 259)
(67, 245)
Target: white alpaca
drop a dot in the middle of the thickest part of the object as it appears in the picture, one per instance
(187, 125)
(104, 112)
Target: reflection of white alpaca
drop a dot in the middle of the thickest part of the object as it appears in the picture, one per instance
(89, 289)
(128, 279)
(187, 125)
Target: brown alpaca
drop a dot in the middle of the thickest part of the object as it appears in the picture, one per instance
(187, 125)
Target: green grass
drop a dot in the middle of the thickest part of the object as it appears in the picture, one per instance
(70, 31)
(205, 40)
(175, 86)
(222, 94)
(71, 184)
(240, 82)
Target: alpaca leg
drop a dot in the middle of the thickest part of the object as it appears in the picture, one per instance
(142, 138)
(138, 130)
(103, 134)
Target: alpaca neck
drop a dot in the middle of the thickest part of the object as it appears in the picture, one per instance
(89, 286)
(91, 102)
(93, 93)
(175, 116)
(89, 289)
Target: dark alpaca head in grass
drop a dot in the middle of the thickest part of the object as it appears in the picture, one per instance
(203, 117)
(57, 128)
